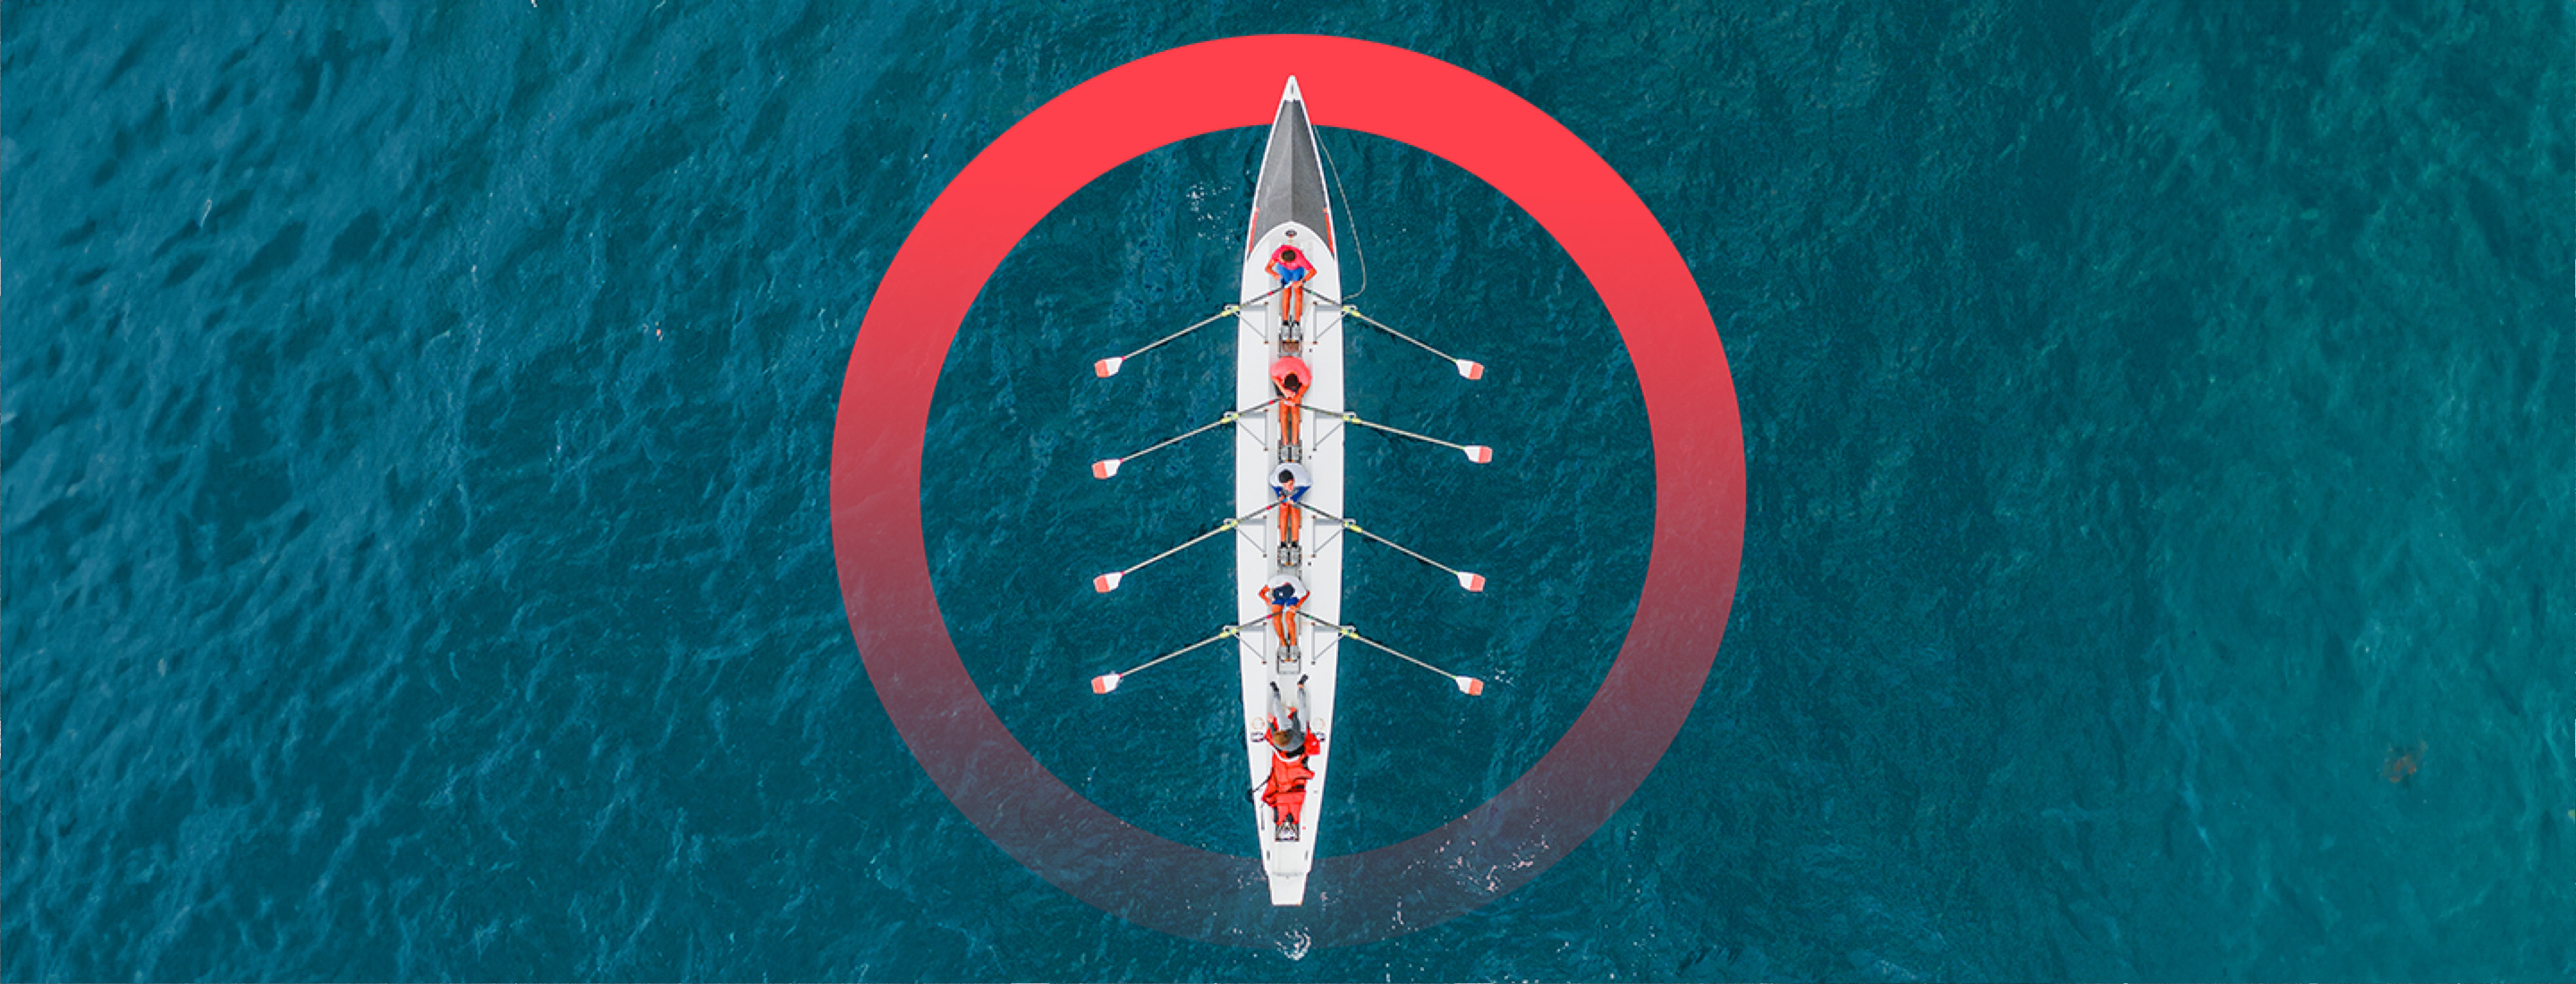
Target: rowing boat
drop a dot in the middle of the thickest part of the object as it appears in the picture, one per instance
(1289, 210)
(1288, 339)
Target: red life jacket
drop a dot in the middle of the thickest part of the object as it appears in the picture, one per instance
(1291, 366)
(1286, 792)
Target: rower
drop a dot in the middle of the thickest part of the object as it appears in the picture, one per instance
(1288, 486)
(1289, 267)
(1290, 376)
(1285, 594)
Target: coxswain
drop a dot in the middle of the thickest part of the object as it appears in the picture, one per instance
(1290, 744)
(1290, 268)
(1286, 790)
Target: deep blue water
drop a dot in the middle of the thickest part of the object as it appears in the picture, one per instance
(415, 422)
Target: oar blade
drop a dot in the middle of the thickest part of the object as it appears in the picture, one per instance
(1107, 582)
(1471, 580)
(1479, 453)
(1468, 685)
(1105, 467)
(1108, 367)
(1107, 682)
(1471, 369)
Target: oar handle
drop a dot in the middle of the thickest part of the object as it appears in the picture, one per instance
(1169, 441)
(1230, 417)
(1400, 548)
(1401, 432)
(1352, 312)
(1354, 635)
(1466, 579)
(1191, 542)
(1194, 541)
(1160, 342)
(1230, 632)
(1222, 314)
(1107, 682)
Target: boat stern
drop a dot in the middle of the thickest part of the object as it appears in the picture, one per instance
(1287, 888)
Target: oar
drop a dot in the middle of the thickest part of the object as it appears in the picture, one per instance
(1477, 453)
(1108, 367)
(1468, 368)
(1466, 579)
(1468, 685)
(1107, 682)
(1106, 467)
(1109, 582)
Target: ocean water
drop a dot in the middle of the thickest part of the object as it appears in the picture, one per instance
(415, 422)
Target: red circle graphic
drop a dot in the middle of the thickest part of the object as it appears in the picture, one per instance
(1356, 85)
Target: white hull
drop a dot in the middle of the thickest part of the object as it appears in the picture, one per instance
(1257, 343)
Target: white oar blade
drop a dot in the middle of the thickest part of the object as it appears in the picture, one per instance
(1107, 682)
(1107, 582)
(1108, 367)
(1105, 467)
(1468, 685)
(1479, 453)
(1471, 580)
(1471, 369)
